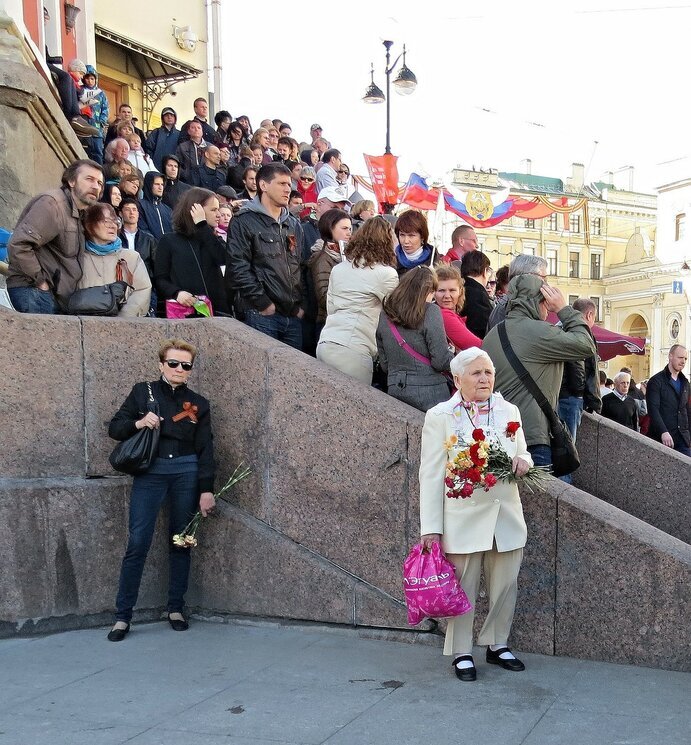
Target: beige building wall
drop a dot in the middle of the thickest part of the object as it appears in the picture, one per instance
(151, 24)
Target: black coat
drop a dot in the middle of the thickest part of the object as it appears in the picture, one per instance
(669, 411)
(208, 178)
(208, 132)
(178, 263)
(145, 246)
(477, 307)
(172, 191)
(624, 412)
(177, 438)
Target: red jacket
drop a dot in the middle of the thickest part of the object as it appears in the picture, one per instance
(457, 332)
(450, 256)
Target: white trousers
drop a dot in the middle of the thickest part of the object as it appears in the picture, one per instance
(352, 362)
(501, 580)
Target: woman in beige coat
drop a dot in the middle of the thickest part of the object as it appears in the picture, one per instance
(488, 526)
(103, 251)
(357, 288)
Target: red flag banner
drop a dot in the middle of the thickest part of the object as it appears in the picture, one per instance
(383, 171)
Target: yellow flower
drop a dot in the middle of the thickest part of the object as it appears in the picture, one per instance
(451, 442)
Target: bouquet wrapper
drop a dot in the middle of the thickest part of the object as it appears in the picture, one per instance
(430, 586)
(175, 310)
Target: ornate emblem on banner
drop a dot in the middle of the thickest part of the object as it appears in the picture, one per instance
(479, 205)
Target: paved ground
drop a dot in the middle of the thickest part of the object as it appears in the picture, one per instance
(238, 684)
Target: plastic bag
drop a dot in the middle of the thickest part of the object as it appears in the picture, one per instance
(430, 586)
(202, 308)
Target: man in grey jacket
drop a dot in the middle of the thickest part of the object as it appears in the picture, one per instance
(542, 348)
(46, 247)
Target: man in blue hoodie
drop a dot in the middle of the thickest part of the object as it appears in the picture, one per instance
(154, 216)
(164, 139)
(95, 110)
(263, 275)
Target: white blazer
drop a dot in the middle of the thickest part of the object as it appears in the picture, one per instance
(473, 524)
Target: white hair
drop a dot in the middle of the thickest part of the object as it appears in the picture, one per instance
(620, 376)
(464, 358)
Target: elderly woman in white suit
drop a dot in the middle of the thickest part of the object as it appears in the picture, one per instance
(486, 527)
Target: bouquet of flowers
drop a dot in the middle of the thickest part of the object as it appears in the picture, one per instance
(481, 463)
(188, 537)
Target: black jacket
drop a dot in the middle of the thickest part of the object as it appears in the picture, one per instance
(477, 307)
(177, 438)
(573, 380)
(208, 178)
(208, 132)
(669, 412)
(145, 245)
(264, 261)
(625, 412)
(178, 263)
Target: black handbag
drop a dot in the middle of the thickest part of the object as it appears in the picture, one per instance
(136, 454)
(104, 300)
(565, 458)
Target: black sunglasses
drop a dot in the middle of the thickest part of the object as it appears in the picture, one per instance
(186, 366)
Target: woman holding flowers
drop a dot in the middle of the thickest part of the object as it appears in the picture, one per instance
(473, 450)
(182, 474)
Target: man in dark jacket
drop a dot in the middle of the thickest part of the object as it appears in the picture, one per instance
(124, 115)
(208, 175)
(263, 271)
(201, 112)
(139, 240)
(619, 406)
(669, 403)
(172, 186)
(580, 388)
(46, 246)
(164, 139)
(476, 270)
(156, 217)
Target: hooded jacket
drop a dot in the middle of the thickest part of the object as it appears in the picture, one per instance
(172, 187)
(264, 260)
(163, 141)
(154, 216)
(95, 102)
(541, 347)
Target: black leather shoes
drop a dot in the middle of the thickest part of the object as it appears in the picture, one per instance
(178, 624)
(117, 635)
(466, 673)
(514, 664)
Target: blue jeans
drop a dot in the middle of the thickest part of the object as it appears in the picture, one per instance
(287, 329)
(541, 454)
(149, 492)
(681, 448)
(94, 148)
(33, 300)
(570, 412)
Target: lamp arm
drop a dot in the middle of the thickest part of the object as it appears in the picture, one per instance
(393, 65)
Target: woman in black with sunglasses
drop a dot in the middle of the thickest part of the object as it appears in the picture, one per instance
(182, 474)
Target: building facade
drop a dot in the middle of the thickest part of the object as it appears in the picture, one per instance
(608, 251)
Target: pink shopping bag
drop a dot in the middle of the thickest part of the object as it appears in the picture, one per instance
(430, 586)
(175, 310)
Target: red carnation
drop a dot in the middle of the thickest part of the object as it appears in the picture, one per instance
(449, 482)
(490, 479)
(512, 428)
(466, 490)
(474, 475)
(478, 435)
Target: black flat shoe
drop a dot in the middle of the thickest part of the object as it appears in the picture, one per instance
(466, 674)
(117, 635)
(177, 624)
(515, 665)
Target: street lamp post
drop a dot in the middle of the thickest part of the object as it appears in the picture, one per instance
(405, 83)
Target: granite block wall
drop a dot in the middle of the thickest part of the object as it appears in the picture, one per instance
(320, 529)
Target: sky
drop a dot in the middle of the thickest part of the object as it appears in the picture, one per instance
(604, 83)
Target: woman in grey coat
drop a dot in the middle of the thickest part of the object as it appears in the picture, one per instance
(412, 344)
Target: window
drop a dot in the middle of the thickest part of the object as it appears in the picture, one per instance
(679, 226)
(529, 223)
(596, 300)
(553, 221)
(552, 259)
(574, 258)
(596, 226)
(595, 266)
(572, 299)
(575, 223)
(529, 250)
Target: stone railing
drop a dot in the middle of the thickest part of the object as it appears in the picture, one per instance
(319, 530)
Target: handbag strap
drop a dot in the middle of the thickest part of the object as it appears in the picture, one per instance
(199, 266)
(524, 376)
(403, 344)
(123, 273)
